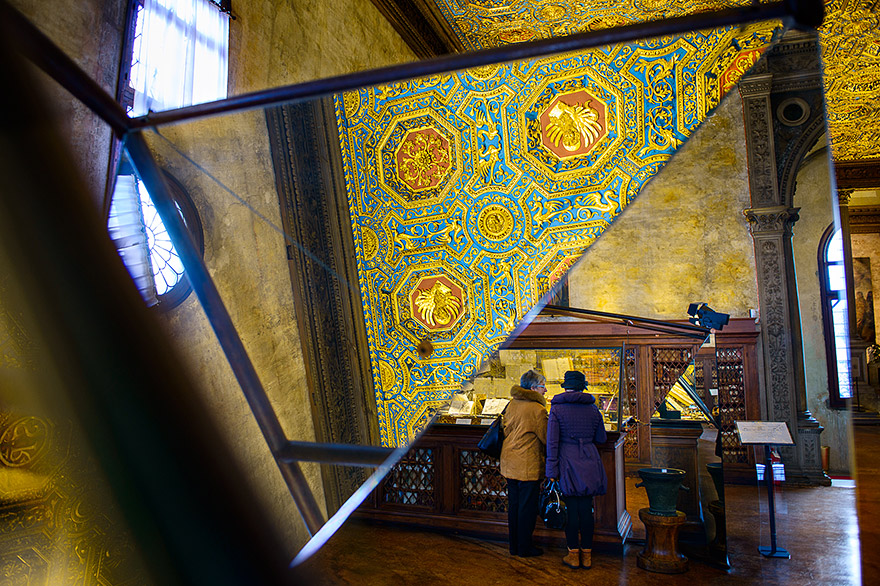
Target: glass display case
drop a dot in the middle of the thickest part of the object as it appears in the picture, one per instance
(486, 396)
(683, 402)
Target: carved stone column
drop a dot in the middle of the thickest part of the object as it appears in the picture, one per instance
(784, 117)
(786, 398)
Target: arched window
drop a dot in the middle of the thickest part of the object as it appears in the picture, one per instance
(832, 279)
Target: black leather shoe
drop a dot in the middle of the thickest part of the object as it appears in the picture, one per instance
(532, 552)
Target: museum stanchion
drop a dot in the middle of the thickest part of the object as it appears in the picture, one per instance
(768, 434)
(774, 551)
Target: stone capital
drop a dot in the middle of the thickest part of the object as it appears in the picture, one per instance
(844, 195)
(772, 220)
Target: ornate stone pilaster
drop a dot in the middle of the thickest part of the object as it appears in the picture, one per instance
(755, 90)
(785, 398)
(306, 159)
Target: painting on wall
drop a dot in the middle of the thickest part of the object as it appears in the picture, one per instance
(864, 293)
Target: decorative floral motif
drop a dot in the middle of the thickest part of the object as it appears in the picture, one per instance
(423, 159)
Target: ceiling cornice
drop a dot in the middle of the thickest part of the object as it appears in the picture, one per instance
(864, 174)
(421, 26)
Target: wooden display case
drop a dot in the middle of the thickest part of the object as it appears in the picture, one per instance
(445, 483)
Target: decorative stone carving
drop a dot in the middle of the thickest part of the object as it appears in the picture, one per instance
(776, 146)
(302, 139)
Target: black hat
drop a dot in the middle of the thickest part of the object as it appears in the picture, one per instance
(574, 380)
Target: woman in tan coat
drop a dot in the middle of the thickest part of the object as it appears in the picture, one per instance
(522, 459)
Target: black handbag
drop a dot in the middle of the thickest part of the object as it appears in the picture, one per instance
(552, 507)
(491, 442)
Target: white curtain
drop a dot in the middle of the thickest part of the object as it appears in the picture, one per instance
(180, 55)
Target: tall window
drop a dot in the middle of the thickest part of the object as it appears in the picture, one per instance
(832, 278)
(179, 54)
(178, 57)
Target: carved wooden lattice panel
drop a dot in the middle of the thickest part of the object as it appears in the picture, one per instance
(411, 481)
(631, 443)
(482, 486)
(669, 364)
(731, 402)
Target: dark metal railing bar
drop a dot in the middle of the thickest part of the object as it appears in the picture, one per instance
(447, 63)
(340, 454)
(220, 320)
(40, 50)
(670, 327)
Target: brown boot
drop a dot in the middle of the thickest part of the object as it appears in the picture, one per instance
(573, 559)
(586, 558)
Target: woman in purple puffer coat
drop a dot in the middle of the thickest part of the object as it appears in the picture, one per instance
(574, 428)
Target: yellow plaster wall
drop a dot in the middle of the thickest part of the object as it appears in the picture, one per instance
(272, 43)
(290, 41)
(684, 239)
(813, 197)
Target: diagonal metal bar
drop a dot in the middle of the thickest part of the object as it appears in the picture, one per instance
(221, 322)
(37, 47)
(804, 11)
(688, 330)
(340, 454)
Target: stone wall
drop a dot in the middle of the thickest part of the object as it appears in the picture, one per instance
(272, 43)
(89, 32)
(684, 239)
(813, 197)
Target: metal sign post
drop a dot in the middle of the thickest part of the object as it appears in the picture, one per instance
(767, 433)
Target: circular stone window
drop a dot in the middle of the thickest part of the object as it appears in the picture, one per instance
(793, 111)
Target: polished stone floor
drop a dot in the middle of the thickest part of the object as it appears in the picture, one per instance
(817, 525)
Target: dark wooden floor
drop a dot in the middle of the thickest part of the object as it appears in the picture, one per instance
(817, 525)
(867, 451)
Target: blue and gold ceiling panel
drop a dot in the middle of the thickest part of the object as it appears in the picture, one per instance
(481, 24)
(472, 194)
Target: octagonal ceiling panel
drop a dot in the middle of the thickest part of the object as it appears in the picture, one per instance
(472, 194)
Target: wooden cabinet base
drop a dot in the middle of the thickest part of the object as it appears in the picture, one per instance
(445, 483)
(661, 550)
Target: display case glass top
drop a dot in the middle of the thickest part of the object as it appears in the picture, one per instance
(601, 366)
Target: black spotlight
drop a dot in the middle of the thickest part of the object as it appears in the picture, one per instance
(703, 315)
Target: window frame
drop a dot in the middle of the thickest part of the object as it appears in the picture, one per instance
(835, 401)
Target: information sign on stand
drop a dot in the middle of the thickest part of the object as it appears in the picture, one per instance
(767, 433)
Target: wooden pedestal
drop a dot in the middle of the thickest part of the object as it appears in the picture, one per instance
(661, 550)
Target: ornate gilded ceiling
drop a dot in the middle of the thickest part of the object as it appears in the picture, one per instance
(850, 40)
(481, 24)
(472, 194)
